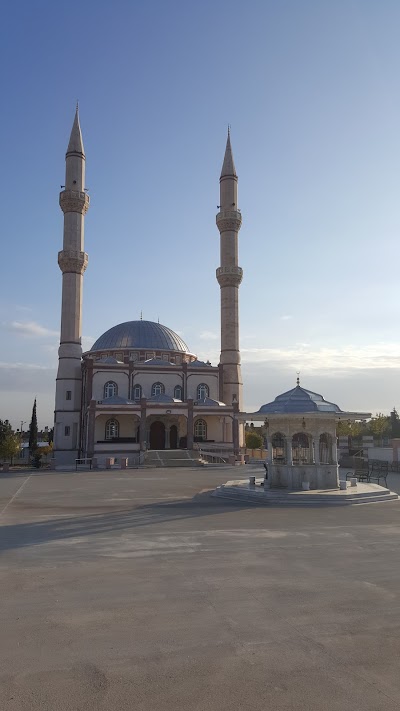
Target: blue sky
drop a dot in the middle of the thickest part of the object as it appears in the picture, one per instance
(311, 91)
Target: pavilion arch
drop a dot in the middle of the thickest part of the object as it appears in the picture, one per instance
(278, 445)
(325, 448)
(302, 451)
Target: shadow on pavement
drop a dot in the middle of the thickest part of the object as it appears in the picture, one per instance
(39, 532)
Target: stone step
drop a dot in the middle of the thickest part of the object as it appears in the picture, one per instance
(172, 458)
(304, 499)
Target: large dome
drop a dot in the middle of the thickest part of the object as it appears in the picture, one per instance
(140, 334)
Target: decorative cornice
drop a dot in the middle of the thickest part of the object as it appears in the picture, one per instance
(229, 276)
(229, 220)
(74, 201)
(70, 261)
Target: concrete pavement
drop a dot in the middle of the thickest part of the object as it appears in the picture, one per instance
(137, 590)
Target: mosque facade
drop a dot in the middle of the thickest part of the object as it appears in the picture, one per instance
(140, 387)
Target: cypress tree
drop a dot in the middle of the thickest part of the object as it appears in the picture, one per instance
(33, 431)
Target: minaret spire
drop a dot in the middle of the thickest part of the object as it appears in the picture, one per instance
(228, 166)
(229, 276)
(75, 144)
(72, 261)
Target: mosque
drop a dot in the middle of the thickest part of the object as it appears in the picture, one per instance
(140, 387)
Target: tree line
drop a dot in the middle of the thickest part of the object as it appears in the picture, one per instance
(378, 427)
(11, 441)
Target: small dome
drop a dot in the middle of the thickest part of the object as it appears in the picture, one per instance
(298, 401)
(140, 334)
(209, 402)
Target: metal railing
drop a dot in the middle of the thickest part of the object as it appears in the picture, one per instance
(215, 456)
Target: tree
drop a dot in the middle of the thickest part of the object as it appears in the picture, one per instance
(33, 431)
(395, 423)
(380, 425)
(350, 429)
(253, 440)
(44, 451)
(10, 446)
(5, 429)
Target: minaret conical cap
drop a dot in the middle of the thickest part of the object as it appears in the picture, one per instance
(75, 144)
(228, 166)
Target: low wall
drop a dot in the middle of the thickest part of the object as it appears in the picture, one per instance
(116, 448)
(134, 459)
(383, 454)
(259, 454)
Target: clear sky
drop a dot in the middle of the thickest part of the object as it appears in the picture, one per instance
(311, 90)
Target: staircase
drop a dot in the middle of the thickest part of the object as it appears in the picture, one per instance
(172, 458)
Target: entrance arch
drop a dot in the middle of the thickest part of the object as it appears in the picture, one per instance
(173, 437)
(157, 435)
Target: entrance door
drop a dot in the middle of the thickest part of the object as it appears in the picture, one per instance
(173, 437)
(157, 435)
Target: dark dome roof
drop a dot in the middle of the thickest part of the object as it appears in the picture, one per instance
(140, 334)
(299, 401)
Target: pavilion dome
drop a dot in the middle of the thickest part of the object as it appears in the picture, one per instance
(146, 335)
(298, 401)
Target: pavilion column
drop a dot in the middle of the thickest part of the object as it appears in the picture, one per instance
(143, 416)
(235, 428)
(189, 436)
(91, 428)
(334, 450)
(316, 450)
(269, 449)
(289, 450)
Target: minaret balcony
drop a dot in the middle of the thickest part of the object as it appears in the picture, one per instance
(72, 261)
(229, 276)
(74, 201)
(229, 220)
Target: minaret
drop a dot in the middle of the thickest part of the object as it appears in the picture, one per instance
(72, 261)
(229, 276)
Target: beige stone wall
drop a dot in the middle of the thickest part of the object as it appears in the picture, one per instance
(100, 378)
(128, 425)
(147, 379)
(198, 378)
(169, 380)
(215, 426)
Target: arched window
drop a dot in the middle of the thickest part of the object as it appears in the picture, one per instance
(112, 429)
(110, 389)
(278, 445)
(203, 391)
(301, 450)
(178, 392)
(325, 448)
(157, 389)
(137, 391)
(200, 430)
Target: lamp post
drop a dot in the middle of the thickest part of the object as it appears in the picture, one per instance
(20, 436)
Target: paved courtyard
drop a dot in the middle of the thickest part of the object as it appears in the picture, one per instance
(138, 591)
